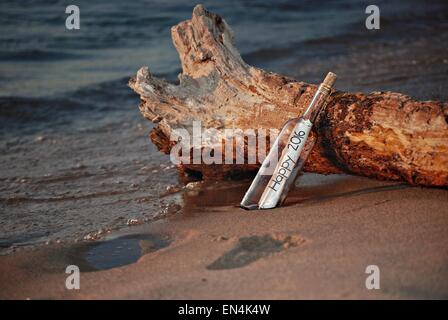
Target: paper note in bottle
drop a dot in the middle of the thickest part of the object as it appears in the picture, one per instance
(294, 143)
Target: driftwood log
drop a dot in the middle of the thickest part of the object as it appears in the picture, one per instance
(383, 135)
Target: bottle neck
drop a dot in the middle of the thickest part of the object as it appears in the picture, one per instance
(317, 103)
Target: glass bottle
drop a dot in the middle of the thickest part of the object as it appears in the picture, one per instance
(294, 143)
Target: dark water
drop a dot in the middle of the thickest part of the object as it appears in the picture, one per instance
(74, 151)
(119, 251)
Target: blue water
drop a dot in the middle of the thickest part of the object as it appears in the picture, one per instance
(39, 56)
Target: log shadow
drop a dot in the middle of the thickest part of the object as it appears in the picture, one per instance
(310, 188)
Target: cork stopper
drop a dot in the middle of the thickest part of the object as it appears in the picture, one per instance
(329, 79)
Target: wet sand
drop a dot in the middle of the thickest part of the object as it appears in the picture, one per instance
(314, 247)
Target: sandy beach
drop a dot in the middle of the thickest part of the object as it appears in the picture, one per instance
(315, 247)
(81, 184)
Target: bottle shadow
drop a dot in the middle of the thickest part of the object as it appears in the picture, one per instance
(310, 188)
(311, 195)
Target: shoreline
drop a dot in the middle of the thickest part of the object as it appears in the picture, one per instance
(76, 163)
(314, 247)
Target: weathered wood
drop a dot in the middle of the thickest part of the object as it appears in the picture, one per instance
(383, 135)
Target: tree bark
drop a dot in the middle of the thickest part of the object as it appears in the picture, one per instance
(382, 135)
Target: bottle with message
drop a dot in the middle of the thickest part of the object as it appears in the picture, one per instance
(294, 143)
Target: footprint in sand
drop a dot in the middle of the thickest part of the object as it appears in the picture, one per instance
(250, 249)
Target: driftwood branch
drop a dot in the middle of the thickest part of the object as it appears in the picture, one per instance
(383, 135)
